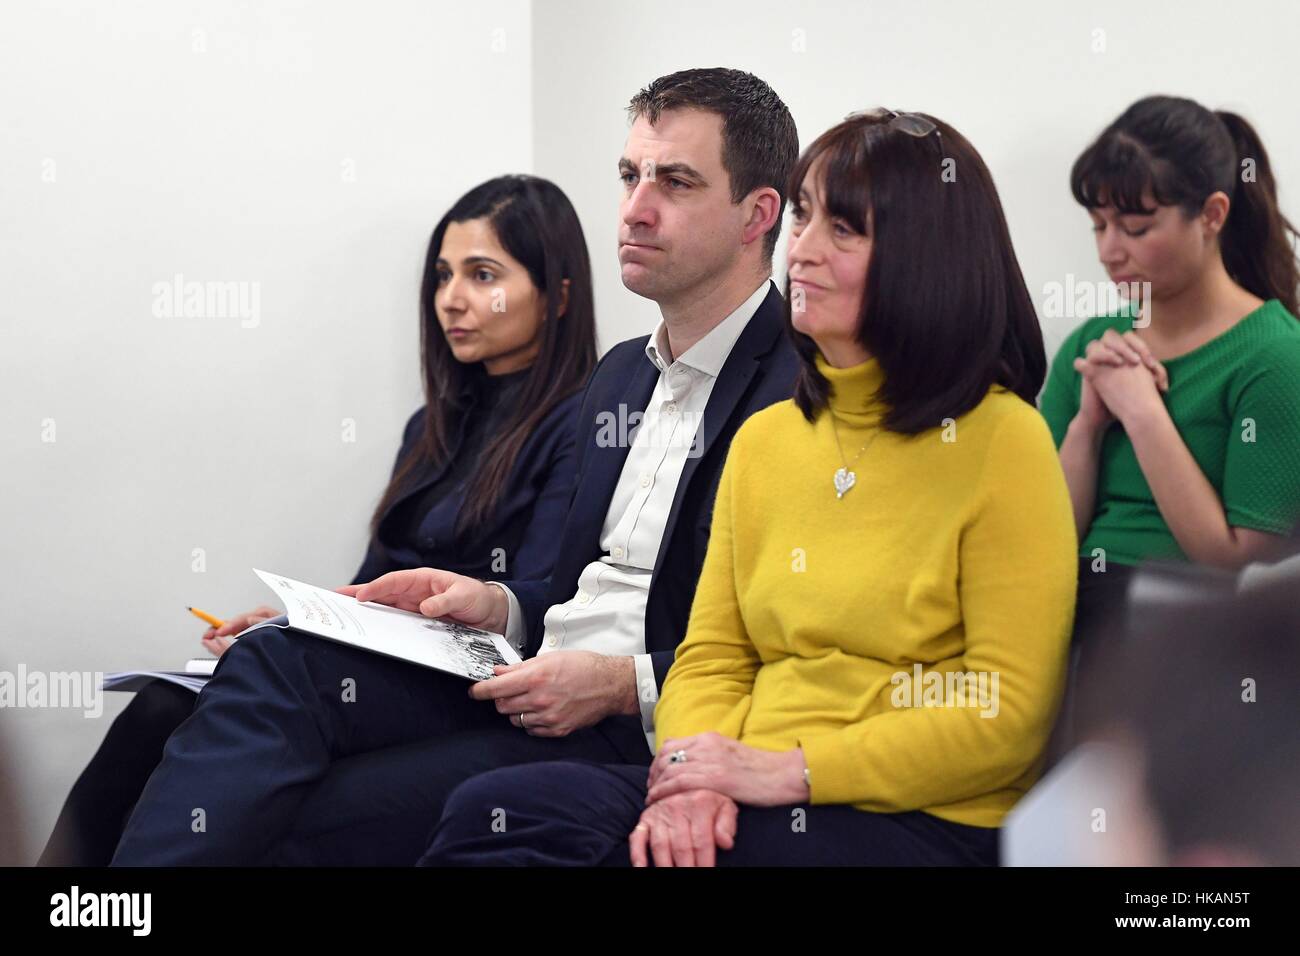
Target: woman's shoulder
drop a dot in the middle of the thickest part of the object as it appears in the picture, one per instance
(413, 424)
(566, 409)
(1260, 351)
(1004, 418)
(779, 418)
(771, 427)
(560, 424)
(1272, 333)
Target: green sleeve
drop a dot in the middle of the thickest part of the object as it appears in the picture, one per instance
(1059, 402)
(1261, 476)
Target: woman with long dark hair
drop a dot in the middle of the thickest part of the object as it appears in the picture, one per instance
(484, 475)
(1178, 419)
(876, 648)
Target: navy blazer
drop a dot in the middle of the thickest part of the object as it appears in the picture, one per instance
(528, 518)
(759, 372)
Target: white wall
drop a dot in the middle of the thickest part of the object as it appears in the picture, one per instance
(1018, 77)
(179, 433)
(174, 434)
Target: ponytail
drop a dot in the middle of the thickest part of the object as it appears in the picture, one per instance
(1256, 242)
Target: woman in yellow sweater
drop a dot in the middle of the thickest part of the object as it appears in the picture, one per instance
(877, 646)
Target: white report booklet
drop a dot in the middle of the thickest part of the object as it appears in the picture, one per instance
(195, 675)
(433, 642)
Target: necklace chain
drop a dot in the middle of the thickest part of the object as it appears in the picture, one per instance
(835, 431)
(845, 478)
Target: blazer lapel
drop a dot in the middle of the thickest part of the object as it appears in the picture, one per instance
(606, 463)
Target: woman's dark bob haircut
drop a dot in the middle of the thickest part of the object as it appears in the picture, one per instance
(945, 309)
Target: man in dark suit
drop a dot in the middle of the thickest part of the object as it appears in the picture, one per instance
(303, 751)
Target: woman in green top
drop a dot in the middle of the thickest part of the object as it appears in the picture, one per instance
(1178, 422)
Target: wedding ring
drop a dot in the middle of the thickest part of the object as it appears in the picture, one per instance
(522, 724)
(677, 756)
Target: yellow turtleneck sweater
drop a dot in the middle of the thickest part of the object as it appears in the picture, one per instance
(953, 556)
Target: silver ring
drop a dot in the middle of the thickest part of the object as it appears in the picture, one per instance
(677, 756)
(522, 725)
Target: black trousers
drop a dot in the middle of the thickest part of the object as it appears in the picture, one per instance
(581, 813)
(91, 821)
(301, 750)
(1100, 620)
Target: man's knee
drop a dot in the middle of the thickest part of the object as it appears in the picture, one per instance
(492, 795)
(489, 802)
(551, 813)
(265, 643)
(158, 708)
(472, 811)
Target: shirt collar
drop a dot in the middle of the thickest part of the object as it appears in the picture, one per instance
(709, 353)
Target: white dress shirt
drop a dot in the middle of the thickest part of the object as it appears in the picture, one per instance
(607, 614)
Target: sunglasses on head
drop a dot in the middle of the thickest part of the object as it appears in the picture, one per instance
(913, 124)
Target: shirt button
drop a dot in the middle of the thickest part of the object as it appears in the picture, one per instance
(584, 597)
(551, 641)
(645, 481)
(618, 552)
(672, 408)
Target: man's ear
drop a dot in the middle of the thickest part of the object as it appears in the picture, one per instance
(765, 214)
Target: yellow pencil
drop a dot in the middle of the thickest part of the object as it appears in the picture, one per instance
(205, 616)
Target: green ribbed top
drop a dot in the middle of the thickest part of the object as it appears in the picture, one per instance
(1236, 403)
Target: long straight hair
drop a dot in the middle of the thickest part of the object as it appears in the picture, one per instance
(1182, 153)
(945, 308)
(534, 222)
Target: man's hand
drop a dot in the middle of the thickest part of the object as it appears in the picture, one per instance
(435, 593)
(685, 829)
(563, 691)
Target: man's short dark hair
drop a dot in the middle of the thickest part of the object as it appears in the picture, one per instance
(759, 141)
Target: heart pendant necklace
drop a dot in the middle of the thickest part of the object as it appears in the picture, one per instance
(844, 477)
